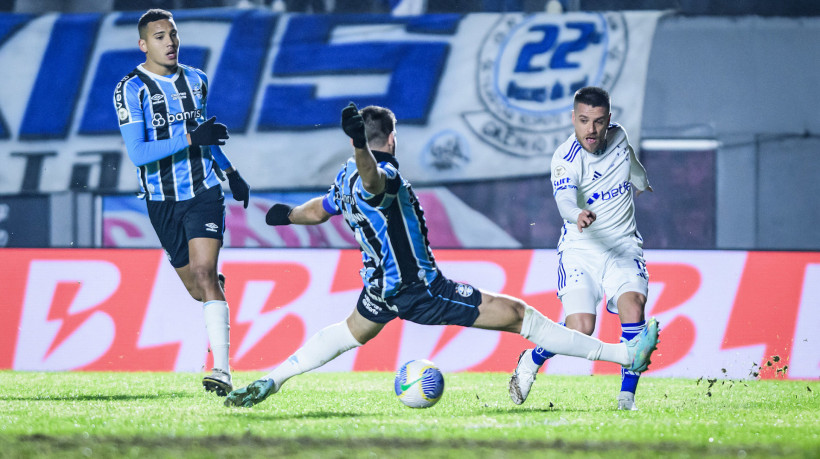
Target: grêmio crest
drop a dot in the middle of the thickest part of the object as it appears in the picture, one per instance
(529, 68)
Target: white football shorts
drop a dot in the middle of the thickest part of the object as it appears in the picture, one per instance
(599, 274)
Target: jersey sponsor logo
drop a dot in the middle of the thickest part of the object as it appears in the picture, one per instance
(561, 183)
(179, 96)
(619, 190)
(158, 120)
(596, 176)
(183, 116)
(212, 227)
(529, 69)
(372, 307)
(122, 112)
(157, 99)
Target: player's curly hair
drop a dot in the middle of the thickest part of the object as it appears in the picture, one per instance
(152, 15)
(592, 96)
(379, 122)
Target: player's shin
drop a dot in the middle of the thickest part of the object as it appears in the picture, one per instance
(540, 355)
(217, 324)
(629, 379)
(561, 340)
(324, 346)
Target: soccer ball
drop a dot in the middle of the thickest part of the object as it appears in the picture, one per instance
(419, 384)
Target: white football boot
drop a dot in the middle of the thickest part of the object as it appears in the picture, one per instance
(626, 401)
(218, 381)
(523, 377)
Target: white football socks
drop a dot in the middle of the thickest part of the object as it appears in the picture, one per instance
(329, 343)
(217, 323)
(561, 340)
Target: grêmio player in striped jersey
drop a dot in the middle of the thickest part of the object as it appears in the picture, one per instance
(600, 250)
(400, 276)
(161, 107)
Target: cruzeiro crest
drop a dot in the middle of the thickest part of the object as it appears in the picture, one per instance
(529, 69)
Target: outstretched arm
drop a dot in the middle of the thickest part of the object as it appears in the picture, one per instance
(309, 213)
(373, 178)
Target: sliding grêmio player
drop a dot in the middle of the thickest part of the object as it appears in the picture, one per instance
(400, 275)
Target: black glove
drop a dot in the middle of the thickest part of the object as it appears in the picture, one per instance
(209, 133)
(353, 125)
(239, 187)
(278, 215)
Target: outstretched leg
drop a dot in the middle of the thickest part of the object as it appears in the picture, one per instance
(319, 349)
(502, 312)
(580, 305)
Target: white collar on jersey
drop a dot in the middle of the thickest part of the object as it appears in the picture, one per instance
(171, 77)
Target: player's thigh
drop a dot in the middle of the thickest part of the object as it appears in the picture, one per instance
(204, 217)
(203, 253)
(374, 309)
(170, 230)
(442, 302)
(362, 328)
(579, 281)
(500, 312)
(625, 272)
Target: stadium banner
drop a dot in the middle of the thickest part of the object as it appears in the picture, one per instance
(126, 310)
(478, 96)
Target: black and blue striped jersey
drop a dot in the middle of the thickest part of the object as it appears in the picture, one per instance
(389, 227)
(155, 113)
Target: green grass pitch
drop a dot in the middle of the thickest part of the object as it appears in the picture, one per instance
(328, 415)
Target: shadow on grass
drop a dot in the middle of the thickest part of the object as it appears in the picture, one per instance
(261, 415)
(265, 446)
(99, 398)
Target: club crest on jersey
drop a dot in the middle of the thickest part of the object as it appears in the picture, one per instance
(196, 91)
(464, 290)
(529, 69)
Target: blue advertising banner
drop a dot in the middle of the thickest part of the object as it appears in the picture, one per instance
(478, 97)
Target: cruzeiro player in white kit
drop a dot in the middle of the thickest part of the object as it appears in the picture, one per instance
(600, 250)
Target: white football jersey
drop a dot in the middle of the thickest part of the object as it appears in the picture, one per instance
(600, 182)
